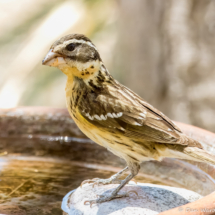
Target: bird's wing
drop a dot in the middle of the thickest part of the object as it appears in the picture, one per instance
(133, 119)
(155, 114)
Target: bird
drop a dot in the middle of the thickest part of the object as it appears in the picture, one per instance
(115, 117)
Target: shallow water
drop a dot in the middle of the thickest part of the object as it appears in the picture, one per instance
(32, 185)
(37, 186)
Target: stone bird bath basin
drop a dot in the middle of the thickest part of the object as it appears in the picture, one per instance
(43, 156)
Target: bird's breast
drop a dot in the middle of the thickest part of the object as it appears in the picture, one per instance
(115, 142)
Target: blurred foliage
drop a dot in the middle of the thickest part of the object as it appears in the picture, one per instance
(24, 81)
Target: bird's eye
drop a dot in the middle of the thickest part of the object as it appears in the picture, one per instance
(70, 47)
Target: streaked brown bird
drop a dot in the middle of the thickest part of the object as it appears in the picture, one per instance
(114, 116)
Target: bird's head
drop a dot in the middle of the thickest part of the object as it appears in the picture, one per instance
(74, 55)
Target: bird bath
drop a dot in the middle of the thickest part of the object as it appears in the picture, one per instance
(43, 156)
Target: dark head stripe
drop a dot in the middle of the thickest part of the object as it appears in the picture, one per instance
(70, 37)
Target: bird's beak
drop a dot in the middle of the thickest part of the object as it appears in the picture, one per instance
(53, 59)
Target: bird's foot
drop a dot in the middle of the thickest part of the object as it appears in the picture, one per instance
(98, 181)
(108, 197)
(112, 180)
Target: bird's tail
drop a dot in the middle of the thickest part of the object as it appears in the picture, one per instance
(200, 155)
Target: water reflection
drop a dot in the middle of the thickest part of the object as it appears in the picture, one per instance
(36, 186)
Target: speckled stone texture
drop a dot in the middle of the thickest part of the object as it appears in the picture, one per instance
(152, 199)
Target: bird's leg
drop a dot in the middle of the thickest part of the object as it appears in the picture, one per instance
(112, 180)
(134, 168)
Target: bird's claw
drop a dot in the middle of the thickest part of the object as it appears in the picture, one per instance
(103, 198)
(95, 179)
(89, 181)
(98, 181)
(91, 202)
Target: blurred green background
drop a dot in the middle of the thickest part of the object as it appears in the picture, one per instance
(163, 50)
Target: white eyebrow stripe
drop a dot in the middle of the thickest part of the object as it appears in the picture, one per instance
(80, 41)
